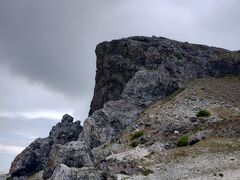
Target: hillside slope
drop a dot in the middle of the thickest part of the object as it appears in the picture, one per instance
(151, 96)
(213, 145)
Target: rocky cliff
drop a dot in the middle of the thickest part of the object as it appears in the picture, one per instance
(152, 95)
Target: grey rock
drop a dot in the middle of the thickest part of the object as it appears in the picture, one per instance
(174, 126)
(35, 157)
(147, 86)
(67, 118)
(114, 166)
(105, 124)
(73, 154)
(66, 131)
(176, 132)
(197, 137)
(193, 119)
(32, 159)
(119, 60)
(63, 172)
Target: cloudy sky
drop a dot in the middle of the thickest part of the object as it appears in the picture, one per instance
(47, 60)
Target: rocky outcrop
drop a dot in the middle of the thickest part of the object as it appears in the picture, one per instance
(73, 154)
(88, 173)
(107, 122)
(36, 156)
(172, 62)
(133, 76)
(147, 86)
(66, 130)
(142, 70)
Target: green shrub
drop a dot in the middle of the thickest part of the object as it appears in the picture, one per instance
(134, 144)
(179, 55)
(146, 172)
(183, 141)
(203, 113)
(9, 178)
(137, 134)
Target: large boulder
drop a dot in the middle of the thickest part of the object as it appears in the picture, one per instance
(148, 86)
(36, 156)
(66, 130)
(73, 154)
(106, 123)
(85, 173)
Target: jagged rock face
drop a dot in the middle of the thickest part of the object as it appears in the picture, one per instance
(73, 154)
(148, 86)
(66, 130)
(143, 70)
(35, 157)
(106, 123)
(67, 118)
(119, 60)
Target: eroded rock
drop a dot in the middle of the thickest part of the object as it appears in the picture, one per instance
(66, 130)
(33, 158)
(73, 154)
(36, 156)
(67, 173)
(105, 124)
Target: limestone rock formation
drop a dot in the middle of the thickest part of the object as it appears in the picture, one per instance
(66, 130)
(35, 157)
(64, 172)
(73, 154)
(172, 62)
(106, 123)
(147, 93)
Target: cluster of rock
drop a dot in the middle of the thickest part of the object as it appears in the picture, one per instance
(132, 74)
(37, 155)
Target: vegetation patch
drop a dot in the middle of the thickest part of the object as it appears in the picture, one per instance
(179, 55)
(203, 113)
(146, 172)
(230, 55)
(183, 141)
(134, 144)
(232, 77)
(137, 134)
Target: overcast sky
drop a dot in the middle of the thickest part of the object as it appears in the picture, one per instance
(47, 60)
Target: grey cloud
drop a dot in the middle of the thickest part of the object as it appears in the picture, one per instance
(19, 95)
(53, 42)
(25, 131)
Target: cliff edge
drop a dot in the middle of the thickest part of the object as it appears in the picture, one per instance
(158, 106)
